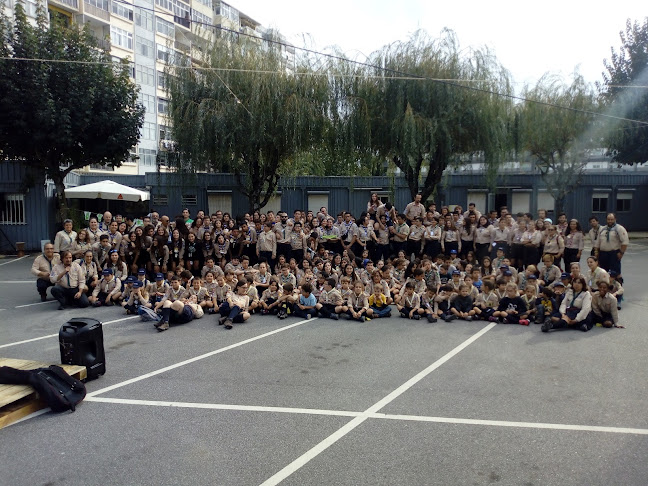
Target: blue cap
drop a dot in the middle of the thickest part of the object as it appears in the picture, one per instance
(107, 271)
(456, 272)
(141, 271)
(500, 248)
(159, 276)
(453, 252)
(138, 284)
(532, 277)
(613, 273)
(559, 284)
(131, 279)
(565, 275)
(508, 273)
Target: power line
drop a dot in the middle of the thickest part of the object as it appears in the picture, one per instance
(452, 83)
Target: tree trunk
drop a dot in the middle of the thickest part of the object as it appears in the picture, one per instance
(62, 213)
(560, 203)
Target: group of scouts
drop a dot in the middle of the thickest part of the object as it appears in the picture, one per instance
(420, 263)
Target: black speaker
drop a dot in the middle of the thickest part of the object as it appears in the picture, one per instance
(81, 343)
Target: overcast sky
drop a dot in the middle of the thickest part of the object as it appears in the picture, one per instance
(529, 38)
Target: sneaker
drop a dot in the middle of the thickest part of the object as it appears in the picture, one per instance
(416, 317)
(164, 325)
(492, 319)
(449, 318)
(61, 307)
(547, 325)
(469, 318)
(387, 315)
(265, 312)
(402, 314)
(97, 304)
(431, 319)
(43, 297)
(222, 320)
(335, 317)
(308, 316)
(524, 322)
(584, 328)
(211, 311)
(366, 318)
(228, 324)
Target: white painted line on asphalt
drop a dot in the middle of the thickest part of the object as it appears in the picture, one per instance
(36, 303)
(506, 423)
(16, 281)
(197, 358)
(223, 406)
(373, 416)
(344, 430)
(12, 261)
(56, 335)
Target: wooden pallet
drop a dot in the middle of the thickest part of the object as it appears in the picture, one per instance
(18, 401)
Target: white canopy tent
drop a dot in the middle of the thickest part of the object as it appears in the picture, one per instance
(108, 190)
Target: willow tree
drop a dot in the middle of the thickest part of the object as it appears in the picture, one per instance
(244, 109)
(430, 105)
(558, 132)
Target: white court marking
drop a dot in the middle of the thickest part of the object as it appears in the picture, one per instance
(56, 335)
(197, 358)
(379, 416)
(12, 261)
(35, 303)
(344, 430)
(16, 281)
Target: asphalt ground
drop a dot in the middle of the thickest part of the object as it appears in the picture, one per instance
(390, 401)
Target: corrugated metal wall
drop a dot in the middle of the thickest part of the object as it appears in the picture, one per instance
(344, 194)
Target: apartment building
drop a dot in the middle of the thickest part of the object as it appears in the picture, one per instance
(150, 34)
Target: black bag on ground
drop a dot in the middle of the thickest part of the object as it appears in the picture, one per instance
(54, 386)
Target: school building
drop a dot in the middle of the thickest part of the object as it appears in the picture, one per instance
(28, 214)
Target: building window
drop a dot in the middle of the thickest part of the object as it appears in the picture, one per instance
(206, 2)
(149, 103)
(165, 133)
(227, 11)
(144, 19)
(100, 4)
(30, 7)
(189, 200)
(148, 131)
(163, 106)
(599, 203)
(164, 54)
(122, 10)
(161, 80)
(163, 27)
(624, 202)
(120, 37)
(144, 47)
(145, 75)
(201, 18)
(160, 199)
(12, 209)
(179, 9)
(147, 157)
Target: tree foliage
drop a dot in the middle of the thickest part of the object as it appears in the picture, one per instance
(63, 115)
(628, 67)
(557, 139)
(244, 111)
(424, 124)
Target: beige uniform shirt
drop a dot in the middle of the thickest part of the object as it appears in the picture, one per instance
(42, 264)
(609, 239)
(73, 279)
(64, 241)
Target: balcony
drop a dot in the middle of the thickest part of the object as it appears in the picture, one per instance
(97, 12)
(69, 5)
(181, 46)
(182, 21)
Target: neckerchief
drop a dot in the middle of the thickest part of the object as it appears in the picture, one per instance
(608, 231)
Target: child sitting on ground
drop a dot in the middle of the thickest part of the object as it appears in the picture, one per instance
(510, 307)
(462, 305)
(487, 302)
(546, 305)
(305, 307)
(270, 298)
(330, 303)
(357, 303)
(288, 299)
(429, 305)
(410, 304)
(378, 306)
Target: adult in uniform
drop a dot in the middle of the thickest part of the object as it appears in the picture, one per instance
(612, 244)
(414, 210)
(42, 269)
(69, 283)
(65, 238)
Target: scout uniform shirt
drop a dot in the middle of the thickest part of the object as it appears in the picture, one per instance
(610, 238)
(63, 241)
(42, 264)
(173, 295)
(73, 279)
(358, 302)
(108, 288)
(332, 297)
